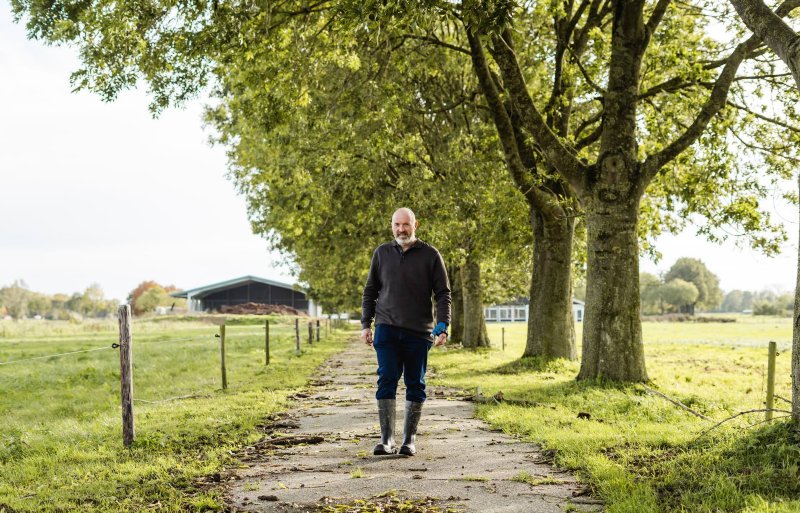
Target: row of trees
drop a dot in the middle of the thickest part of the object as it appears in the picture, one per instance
(764, 302)
(19, 302)
(689, 286)
(550, 137)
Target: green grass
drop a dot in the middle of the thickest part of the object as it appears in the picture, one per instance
(527, 477)
(639, 452)
(60, 442)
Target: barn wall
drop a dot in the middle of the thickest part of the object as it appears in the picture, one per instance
(257, 293)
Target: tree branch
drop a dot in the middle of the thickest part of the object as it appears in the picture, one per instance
(507, 132)
(585, 74)
(775, 32)
(550, 146)
(656, 16)
(435, 40)
(768, 119)
(592, 138)
(716, 101)
(675, 402)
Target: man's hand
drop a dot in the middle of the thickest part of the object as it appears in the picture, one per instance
(366, 336)
(439, 334)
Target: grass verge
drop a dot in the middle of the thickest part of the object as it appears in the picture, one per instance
(60, 445)
(637, 451)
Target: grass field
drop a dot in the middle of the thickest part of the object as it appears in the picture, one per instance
(60, 439)
(639, 452)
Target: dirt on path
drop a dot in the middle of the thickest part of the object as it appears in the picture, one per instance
(319, 458)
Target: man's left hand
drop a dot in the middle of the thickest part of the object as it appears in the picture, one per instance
(441, 340)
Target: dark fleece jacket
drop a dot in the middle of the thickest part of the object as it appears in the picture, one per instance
(399, 288)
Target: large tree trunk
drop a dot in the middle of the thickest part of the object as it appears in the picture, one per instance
(612, 331)
(475, 334)
(456, 331)
(796, 346)
(551, 329)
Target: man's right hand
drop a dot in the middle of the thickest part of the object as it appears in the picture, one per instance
(366, 336)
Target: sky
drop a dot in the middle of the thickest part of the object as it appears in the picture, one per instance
(102, 192)
(94, 192)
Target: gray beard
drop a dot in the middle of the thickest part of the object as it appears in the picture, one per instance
(408, 241)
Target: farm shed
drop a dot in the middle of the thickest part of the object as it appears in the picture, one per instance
(517, 311)
(247, 289)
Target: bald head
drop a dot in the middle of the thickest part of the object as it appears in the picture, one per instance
(404, 226)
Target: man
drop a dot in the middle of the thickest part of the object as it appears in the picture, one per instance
(402, 277)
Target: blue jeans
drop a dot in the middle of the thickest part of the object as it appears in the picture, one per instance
(400, 354)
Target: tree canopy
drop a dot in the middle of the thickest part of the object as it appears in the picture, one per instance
(693, 270)
(625, 115)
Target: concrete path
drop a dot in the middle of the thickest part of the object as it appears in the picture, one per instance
(319, 457)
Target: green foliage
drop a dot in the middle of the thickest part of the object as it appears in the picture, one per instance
(15, 299)
(765, 302)
(149, 294)
(151, 298)
(323, 163)
(19, 302)
(737, 301)
(650, 293)
(707, 284)
(336, 114)
(678, 292)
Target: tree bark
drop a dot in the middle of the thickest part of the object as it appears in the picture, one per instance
(612, 332)
(551, 328)
(775, 32)
(475, 334)
(549, 333)
(456, 330)
(796, 345)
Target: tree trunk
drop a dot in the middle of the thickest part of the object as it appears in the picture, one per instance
(612, 330)
(475, 334)
(456, 330)
(796, 345)
(551, 328)
(775, 32)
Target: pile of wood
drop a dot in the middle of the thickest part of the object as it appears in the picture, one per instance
(259, 309)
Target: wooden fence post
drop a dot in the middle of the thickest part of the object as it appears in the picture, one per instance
(503, 337)
(317, 330)
(310, 332)
(773, 347)
(222, 356)
(266, 341)
(297, 334)
(126, 373)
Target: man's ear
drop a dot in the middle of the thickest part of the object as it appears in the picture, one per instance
(416, 224)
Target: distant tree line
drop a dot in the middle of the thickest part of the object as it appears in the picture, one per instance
(689, 286)
(19, 302)
(765, 302)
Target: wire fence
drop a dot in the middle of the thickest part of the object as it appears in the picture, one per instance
(183, 365)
